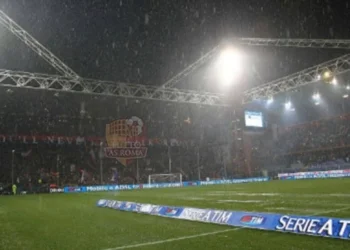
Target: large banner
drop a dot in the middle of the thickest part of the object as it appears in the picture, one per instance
(315, 174)
(306, 225)
(93, 140)
(123, 138)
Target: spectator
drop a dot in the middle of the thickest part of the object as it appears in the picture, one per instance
(73, 115)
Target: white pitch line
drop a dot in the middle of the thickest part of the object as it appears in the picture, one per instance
(173, 239)
(332, 211)
(210, 233)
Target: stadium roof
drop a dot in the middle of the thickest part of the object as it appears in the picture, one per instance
(310, 102)
(140, 44)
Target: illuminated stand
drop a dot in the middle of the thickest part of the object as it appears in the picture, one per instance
(69, 81)
(165, 178)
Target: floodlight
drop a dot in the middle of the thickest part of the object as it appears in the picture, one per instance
(334, 81)
(347, 87)
(288, 105)
(345, 96)
(326, 75)
(228, 65)
(270, 100)
(316, 96)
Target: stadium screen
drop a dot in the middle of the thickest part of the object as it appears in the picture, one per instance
(253, 119)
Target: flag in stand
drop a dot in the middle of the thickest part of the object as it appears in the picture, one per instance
(27, 153)
(93, 156)
(83, 175)
(114, 175)
(101, 153)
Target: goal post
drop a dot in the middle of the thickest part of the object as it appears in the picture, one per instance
(165, 178)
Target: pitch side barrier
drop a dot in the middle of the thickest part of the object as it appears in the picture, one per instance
(298, 224)
(315, 175)
(84, 189)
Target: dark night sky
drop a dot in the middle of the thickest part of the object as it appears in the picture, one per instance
(148, 41)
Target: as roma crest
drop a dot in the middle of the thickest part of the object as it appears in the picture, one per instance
(124, 138)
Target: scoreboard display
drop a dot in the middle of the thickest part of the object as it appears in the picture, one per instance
(253, 119)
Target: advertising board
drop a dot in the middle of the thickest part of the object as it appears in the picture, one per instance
(298, 224)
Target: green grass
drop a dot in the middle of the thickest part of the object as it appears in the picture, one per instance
(72, 221)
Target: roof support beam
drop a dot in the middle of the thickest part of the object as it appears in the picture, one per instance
(19, 79)
(37, 47)
(313, 74)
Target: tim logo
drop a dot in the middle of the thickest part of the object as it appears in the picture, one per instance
(252, 220)
(171, 211)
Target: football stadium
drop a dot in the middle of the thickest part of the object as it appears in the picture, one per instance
(175, 126)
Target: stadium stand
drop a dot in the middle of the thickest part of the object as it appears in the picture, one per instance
(195, 138)
(317, 145)
(176, 130)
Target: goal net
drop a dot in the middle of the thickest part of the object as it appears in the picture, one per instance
(165, 178)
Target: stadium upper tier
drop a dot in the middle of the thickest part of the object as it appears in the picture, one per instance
(45, 113)
(208, 128)
(305, 145)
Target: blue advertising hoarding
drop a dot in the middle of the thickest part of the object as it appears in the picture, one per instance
(100, 188)
(306, 225)
(315, 174)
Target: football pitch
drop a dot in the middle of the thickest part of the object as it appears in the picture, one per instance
(72, 221)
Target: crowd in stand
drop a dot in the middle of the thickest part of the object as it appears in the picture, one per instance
(328, 133)
(316, 145)
(32, 113)
(205, 132)
(28, 112)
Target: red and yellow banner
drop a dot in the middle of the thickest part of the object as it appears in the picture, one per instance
(123, 138)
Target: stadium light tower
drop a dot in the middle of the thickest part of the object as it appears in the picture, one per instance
(228, 66)
(316, 96)
(288, 105)
(334, 81)
(270, 100)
